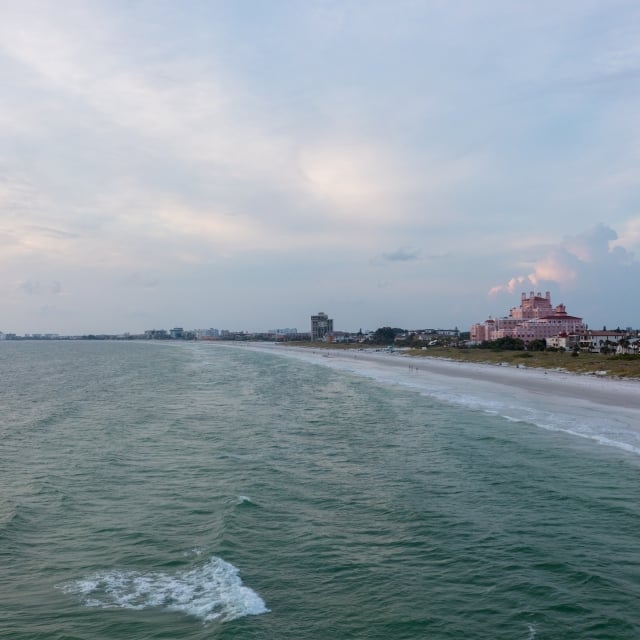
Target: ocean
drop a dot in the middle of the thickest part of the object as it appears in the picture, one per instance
(190, 491)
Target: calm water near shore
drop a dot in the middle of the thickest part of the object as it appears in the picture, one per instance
(176, 490)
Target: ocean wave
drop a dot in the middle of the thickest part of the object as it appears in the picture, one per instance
(612, 426)
(213, 591)
(603, 426)
(8, 513)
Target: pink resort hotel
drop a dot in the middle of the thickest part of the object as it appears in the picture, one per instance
(534, 319)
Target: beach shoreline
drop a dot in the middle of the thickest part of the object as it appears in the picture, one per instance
(600, 390)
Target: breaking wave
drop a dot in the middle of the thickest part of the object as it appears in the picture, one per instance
(213, 591)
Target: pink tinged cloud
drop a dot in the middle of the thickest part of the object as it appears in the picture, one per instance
(629, 238)
(564, 262)
(553, 268)
(510, 287)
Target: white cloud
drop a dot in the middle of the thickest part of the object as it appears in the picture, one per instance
(37, 288)
(403, 254)
(598, 274)
(573, 257)
(629, 237)
(358, 178)
(145, 147)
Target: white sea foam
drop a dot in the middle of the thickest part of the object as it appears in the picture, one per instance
(471, 386)
(213, 591)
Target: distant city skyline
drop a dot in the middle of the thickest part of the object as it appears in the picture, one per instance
(242, 165)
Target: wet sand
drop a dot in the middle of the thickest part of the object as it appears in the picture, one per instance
(588, 388)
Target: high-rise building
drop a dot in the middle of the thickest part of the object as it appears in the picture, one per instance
(321, 327)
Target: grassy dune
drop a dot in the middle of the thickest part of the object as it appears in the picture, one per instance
(624, 366)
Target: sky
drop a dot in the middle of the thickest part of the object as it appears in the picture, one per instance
(244, 164)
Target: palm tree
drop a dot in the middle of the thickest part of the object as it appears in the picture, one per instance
(623, 344)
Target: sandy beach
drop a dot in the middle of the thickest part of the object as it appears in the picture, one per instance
(591, 407)
(612, 393)
(597, 389)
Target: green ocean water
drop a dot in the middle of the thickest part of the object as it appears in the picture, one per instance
(169, 490)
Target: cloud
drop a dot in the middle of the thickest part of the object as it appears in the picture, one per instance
(403, 254)
(591, 246)
(629, 237)
(139, 280)
(510, 287)
(568, 263)
(357, 178)
(558, 266)
(598, 274)
(53, 233)
(149, 153)
(35, 288)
